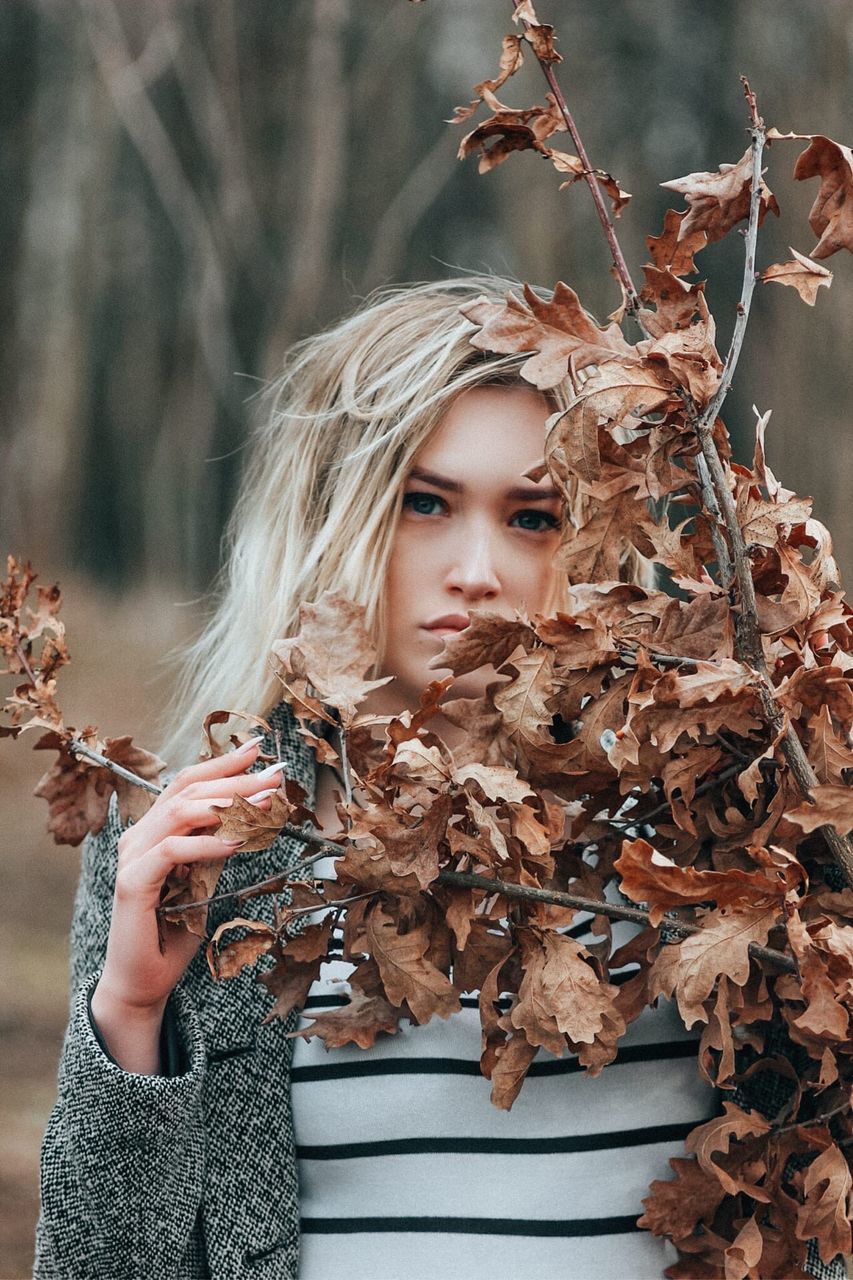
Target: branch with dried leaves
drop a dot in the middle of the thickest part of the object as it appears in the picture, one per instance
(709, 712)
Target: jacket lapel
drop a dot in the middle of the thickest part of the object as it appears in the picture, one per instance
(250, 1208)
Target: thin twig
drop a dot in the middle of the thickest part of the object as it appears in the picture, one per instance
(709, 497)
(663, 659)
(469, 880)
(708, 785)
(632, 300)
(81, 749)
(346, 774)
(24, 661)
(805, 1124)
(272, 884)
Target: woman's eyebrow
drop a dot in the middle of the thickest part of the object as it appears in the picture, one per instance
(437, 481)
(519, 494)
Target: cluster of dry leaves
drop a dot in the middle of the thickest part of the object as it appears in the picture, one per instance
(624, 755)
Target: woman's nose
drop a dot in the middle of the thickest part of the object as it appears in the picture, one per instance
(473, 572)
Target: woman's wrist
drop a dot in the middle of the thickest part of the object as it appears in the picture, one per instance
(129, 1032)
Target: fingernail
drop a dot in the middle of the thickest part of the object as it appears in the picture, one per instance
(248, 746)
(233, 843)
(262, 795)
(271, 769)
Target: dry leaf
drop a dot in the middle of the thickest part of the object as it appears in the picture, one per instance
(331, 653)
(407, 975)
(358, 1022)
(833, 806)
(674, 1208)
(715, 1138)
(825, 1214)
(649, 876)
(690, 968)
(719, 201)
(560, 994)
(227, 961)
(558, 330)
(802, 273)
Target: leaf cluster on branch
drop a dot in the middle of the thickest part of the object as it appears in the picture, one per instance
(674, 752)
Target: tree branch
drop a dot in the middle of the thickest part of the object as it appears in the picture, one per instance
(81, 749)
(722, 507)
(467, 880)
(632, 300)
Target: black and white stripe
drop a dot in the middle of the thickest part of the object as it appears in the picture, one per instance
(400, 1150)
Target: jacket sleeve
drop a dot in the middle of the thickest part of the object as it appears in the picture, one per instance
(123, 1156)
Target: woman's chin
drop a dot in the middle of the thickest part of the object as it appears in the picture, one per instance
(472, 685)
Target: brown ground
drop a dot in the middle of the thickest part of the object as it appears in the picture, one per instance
(116, 682)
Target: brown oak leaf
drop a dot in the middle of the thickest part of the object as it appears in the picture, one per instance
(650, 876)
(715, 1138)
(719, 201)
(289, 982)
(672, 250)
(560, 994)
(488, 640)
(257, 828)
(825, 1215)
(744, 1253)
(228, 960)
(512, 1062)
(359, 1022)
(833, 806)
(558, 329)
(831, 215)
(802, 273)
(690, 968)
(514, 130)
(331, 652)
(675, 1207)
(407, 975)
(540, 35)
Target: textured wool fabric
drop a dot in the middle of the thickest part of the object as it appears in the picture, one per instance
(175, 1179)
(193, 1176)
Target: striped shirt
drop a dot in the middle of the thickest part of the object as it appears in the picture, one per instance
(400, 1150)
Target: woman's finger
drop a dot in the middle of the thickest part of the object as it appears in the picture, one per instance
(241, 784)
(144, 877)
(180, 817)
(233, 762)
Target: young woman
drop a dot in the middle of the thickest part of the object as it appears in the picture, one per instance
(190, 1139)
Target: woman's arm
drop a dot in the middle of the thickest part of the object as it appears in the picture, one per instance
(124, 1153)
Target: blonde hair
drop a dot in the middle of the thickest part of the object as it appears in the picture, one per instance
(319, 500)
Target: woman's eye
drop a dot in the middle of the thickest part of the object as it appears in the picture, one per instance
(424, 504)
(535, 521)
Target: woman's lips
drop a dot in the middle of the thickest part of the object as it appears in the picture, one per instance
(448, 624)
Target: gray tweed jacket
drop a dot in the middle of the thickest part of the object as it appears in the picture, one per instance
(188, 1176)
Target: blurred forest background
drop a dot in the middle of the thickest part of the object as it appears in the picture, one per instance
(190, 185)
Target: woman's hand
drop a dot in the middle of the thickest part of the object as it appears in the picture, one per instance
(138, 976)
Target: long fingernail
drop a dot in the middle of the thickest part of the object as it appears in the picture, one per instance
(248, 746)
(271, 769)
(262, 795)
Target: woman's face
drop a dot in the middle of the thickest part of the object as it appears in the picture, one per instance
(473, 534)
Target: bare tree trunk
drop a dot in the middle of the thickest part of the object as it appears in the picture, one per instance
(321, 174)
